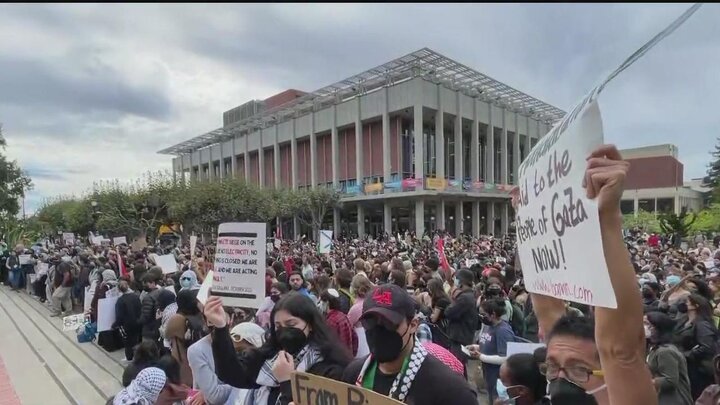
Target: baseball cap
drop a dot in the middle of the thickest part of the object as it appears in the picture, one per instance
(390, 302)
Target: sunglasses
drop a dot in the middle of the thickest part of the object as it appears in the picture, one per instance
(186, 278)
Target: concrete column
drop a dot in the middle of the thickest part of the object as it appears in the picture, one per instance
(182, 168)
(490, 149)
(360, 174)
(440, 215)
(386, 136)
(246, 160)
(175, 170)
(418, 141)
(211, 168)
(516, 151)
(233, 161)
(221, 164)
(475, 144)
(361, 221)
(458, 140)
(503, 150)
(296, 228)
(419, 218)
(677, 208)
(336, 222)
(490, 218)
(313, 151)
(476, 218)
(192, 169)
(459, 218)
(387, 219)
(528, 145)
(276, 159)
(540, 134)
(293, 155)
(440, 138)
(261, 160)
(636, 205)
(334, 144)
(504, 219)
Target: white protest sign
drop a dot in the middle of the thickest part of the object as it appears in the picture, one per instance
(106, 313)
(119, 240)
(73, 322)
(167, 263)
(24, 259)
(96, 240)
(193, 243)
(204, 292)
(240, 264)
(519, 347)
(68, 237)
(41, 269)
(558, 228)
(326, 241)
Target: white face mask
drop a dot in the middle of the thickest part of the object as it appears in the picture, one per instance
(648, 332)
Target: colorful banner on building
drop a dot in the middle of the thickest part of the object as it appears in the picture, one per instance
(373, 188)
(352, 190)
(434, 183)
(412, 183)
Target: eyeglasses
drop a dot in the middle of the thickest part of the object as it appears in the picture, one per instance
(577, 374)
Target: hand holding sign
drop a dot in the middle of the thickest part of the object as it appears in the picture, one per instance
(605, 177)
(214, 312)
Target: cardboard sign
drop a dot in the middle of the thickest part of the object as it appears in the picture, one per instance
(120, 240)
(205, 288)
(167, 262)
(326, 242)
(73, 322)
(106, 313)
(24, 259)
(309, 389)
(239, 277)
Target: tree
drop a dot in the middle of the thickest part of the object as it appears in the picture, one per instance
(712, 179)
(708, 220)
(647, 221)
(679, 225)
(14, 182)
(311, 206)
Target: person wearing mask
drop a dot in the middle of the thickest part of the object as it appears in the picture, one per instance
(398, 366)
(299, 341)
(521, 382)
(462, 314)
(188, 281)
(262, 316)
(667, 364)
(337, 321)
(600, 362)
(343, 281)
(650, 293)
(183, 329)
(697, 338)
(62, 283)
(297, 283)
(127, 312)
(439, 303)
(492, 348)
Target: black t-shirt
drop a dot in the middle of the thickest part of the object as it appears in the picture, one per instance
(383, 382)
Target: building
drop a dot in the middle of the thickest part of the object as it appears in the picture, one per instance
(419, 143)
(655, 182)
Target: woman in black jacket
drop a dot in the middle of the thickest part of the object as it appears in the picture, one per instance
(697, 339)
(462, 315)
(299, 340)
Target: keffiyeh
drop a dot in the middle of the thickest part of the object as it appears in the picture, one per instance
(304, 360)
(403, 381)
(144, 389)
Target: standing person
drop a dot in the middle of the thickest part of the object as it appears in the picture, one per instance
(13, 266)
(360, 286)
(109, 340)
(188, 281)
(440, 301)
(399, 366)
(297, 283)
(150, 316)
(343, 281)
(183, 329)
(697, 338)
(262, 316)
(299, 340)
(62, 283)
(667, 364)
(337, 321)
(462, 314)
(127, 313)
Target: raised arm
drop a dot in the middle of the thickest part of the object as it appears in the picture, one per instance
(618, 332)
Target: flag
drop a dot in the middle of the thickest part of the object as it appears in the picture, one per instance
(443, 259)
(122, 269)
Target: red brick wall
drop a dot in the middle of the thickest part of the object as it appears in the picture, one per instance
(654, 172)
(282, 98)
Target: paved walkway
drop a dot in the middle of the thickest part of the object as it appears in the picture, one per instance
(41, 364)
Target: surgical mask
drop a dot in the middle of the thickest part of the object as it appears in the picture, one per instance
(384, 344)
(290, 339)
(564, 392)
(185, 283)
(503, 395)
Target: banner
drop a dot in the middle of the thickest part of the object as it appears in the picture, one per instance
(352, 189)
(309, 389)
(68, 237)
(412, 183)
(24, 259)
(326, 241)
(167, 262)
(106, 313)
(373, 188)
(193, 243)
(120, 240)
(240, 264)
(96, 240)
(42, 268)
(433, 183)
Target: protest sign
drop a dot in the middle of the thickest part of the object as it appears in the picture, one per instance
(325, 242)
(240, 264)
(558, 227)
(309, 389)
(193, 243)
(24, 259)
(96, 240)
(119, 240)
(73, 322)
(167, 263)
(106, 313)
(520, 347)
(205, 288)
(68, 237)
(42, 269)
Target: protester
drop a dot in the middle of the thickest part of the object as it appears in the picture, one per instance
(337, 321)
(183, 329)
(343, 281)
(461, 314)
(128, 310)
(188, 281)
(145, 355)
(521, 381)
(277, 291)
(297, 283)
(62, 286)
(143, 390)
(667, 364)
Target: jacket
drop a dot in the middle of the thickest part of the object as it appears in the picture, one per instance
(128, 310)
(669, 368)
(462, 318)
(241, 371)
(148, 320)
(425, 389)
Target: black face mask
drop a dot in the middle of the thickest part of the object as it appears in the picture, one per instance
(648, 294)
(385, 345)
(563, 392)
(275, 298)
(290, 339)
(682, 307)
(485, 320)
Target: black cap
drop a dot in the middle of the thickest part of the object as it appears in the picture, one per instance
(390, 302)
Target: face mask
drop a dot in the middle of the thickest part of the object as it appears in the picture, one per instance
(290, 339)
(275, 298)
(385, 345)
(485, 320)
(503, 395)
(563, 392)
(682, 307)
(185, 283)
(648, 332)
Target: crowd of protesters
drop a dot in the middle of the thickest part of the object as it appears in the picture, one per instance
(403, 315)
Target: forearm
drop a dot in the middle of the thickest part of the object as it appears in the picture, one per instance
(492, 359)
(548, 311)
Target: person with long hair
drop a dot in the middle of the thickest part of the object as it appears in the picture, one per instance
(667, 364)
(146, 354)
(439, 302)
(183, 329)
(521, 381)
(299, 340)
(697, 339)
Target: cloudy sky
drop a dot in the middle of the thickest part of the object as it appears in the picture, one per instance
(92, 92)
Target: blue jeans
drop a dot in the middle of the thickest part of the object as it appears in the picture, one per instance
(15, 277)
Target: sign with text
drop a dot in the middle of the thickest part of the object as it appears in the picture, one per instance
(326, 241)
(433, 183)
(24, 259)
(73, 322)
(119, 240)
(240, 264)
(68, 237)
(309, 389)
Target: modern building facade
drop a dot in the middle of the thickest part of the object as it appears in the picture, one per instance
(655, 182)
(419, 143)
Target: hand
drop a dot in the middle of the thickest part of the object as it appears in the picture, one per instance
(214, 312)
(474, 351)
(283, 366)
(198, 399)
(605, 178)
